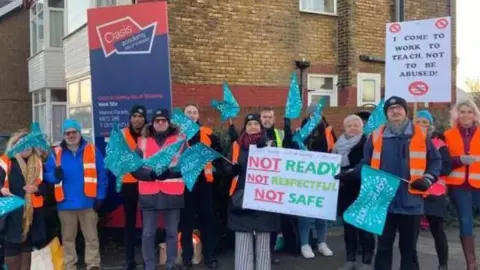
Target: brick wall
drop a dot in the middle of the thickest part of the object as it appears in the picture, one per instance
(15, 99)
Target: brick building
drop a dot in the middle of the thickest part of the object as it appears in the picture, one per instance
(15, 100)
(255, 46)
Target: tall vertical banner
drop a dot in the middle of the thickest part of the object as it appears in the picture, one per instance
(130, 62)
(418, 58)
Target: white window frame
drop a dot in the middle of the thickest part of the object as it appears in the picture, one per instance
(56, 9)
(46, 34)
(92, 4)
(377, 77)
(333, 93)
(334, 13)
(80, 105)
(50, 109)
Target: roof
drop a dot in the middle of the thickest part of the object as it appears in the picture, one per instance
(7, 6)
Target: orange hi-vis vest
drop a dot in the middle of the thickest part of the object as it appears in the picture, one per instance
(174, 186)
(132, 144)
(205, 134)
(6, 165)
(455, 146)
(417, 153)
(330, 139)
(89, 172)
(235, 155)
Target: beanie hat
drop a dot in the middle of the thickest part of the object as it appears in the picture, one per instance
(425, 114)
(140, 109)
(252, 117)
(71, 124)
(394, 100)
(161, 113)
(364, 115)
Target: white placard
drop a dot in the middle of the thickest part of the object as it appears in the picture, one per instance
(419, 60)
(293, 182)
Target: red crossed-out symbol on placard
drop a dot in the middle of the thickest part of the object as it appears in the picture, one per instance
(395, 28)
(418, 88)
(441, 23)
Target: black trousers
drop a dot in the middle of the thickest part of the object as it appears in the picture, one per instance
(354, 238)
(440, 239)
(198, 207)
(130, 206)
(407, 227)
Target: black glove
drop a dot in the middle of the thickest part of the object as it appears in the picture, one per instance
(287, 122)
(98, 204)
(161, 177)
(236, 169)
(422, 184)
(59, 174)
(342, 175)
(261, 144)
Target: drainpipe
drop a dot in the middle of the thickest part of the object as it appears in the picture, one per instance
(399, 10)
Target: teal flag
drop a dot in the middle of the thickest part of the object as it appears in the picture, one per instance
(307, 129)
(369, 211)
(35, 139)
(229, 107)
(162, 159)
(119, 159)
(10, 204)
(193, 160)
(187, 126)
(293, 108)
(376, 119)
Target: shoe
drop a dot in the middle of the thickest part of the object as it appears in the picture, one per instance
(443, 267)
(364, 267)
(468, 245)
(129, 266)
(307, 252)
(212, 265)
(348, 266)
(275, 260)
(324, 250)
(187, 266)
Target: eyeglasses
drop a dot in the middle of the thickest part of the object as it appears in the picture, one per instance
(70, 133)
(161, 121)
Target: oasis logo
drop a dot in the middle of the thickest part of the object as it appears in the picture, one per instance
(126, 36)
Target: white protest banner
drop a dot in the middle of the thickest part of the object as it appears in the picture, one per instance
(418, 58)
(293, 182)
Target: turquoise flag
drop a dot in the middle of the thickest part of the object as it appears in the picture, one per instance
(376, 119)
(35, 139)
(229, 107)
(193, 160)
(187, 126)
(10, 204)
(293, 108)
(369, 211)
(307, 129)
(162, 159)
(119, 159)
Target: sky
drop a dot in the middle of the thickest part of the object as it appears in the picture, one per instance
(468, 41)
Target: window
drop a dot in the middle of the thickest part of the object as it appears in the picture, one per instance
(37, 27)
(322, 87)
(76, 14)
(59, 113)
(105, 3)
(319, 6)
(368, 88)
(80, 104)
(55, 8)
(49, 111)
(40, 109)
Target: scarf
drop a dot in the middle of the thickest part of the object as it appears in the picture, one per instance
(397, 129)
(30, 171)
(246, 140)
(344, 145)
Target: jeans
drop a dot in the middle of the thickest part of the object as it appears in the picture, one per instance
(130, 204)
(407, 227)
(441, 242)
(150, 223)
(305, 225)
(465, 200)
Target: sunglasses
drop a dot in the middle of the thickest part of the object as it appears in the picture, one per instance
(70, 133)
(161, 121)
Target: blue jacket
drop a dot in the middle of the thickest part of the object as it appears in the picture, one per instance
(72, 166)
(395, 160)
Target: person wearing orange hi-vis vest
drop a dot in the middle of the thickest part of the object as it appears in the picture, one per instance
(160, 193)
(24, 228)
(138, 117)
(199, 201)
(76, 168)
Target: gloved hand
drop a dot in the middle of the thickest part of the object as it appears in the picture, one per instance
(342, 175)
(422, 184)
(98, 204)
(236, 169)
(262, 144)
(467, 160)
(59, 174)
(161, 177)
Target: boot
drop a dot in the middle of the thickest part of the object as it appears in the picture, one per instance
(443, 267)
(348, 266)
(13, 263)
(468, 245)
(26, 261)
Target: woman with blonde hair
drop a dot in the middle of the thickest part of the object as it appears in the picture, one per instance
(463, 142)
(21, 175)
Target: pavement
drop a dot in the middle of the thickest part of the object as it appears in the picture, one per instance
(112, 255)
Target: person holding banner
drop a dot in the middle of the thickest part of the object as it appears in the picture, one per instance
(401, 148)
(200, 199)
(350, 146)
(159, 193)
(24, 228)
(436, 201)
(463, 142)
(252, 228)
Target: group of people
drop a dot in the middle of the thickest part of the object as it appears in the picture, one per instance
(74, 174)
